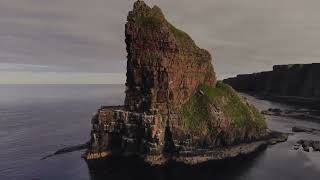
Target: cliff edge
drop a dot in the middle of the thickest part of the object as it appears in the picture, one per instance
(174, 106)
(297, 84)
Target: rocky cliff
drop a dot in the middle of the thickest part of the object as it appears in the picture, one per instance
(297, 83)
(173, 105)
(164, 66)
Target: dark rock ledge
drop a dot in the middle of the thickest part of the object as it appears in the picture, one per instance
(307, 144)
(196, 156)
(301, 114)
(303, 144)
(193, 157)
(305, 129)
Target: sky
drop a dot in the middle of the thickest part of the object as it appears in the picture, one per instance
(82, 41)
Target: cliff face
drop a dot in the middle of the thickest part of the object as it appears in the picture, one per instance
(164, 66)
(301, 80)
(173, 102)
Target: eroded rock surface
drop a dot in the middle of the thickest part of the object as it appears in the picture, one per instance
(173, 104)
(164, 67)
(307, 144)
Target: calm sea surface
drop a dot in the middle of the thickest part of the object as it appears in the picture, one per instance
(36, 120)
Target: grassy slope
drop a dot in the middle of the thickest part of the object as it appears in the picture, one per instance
(196, 112)
(155, 19)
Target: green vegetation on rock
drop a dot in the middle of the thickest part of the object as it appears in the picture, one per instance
(149, 22)
(197, 112)
(152, 20)
(292, 66)
(182, 37)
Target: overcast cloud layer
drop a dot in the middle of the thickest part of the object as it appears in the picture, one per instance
(87, 36)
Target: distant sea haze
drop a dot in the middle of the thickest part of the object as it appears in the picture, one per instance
(42, 77)
(34, 74)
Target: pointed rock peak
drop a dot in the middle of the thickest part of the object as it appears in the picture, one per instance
(140, 5)
(142, 10)
(165, 67)
(152, 20)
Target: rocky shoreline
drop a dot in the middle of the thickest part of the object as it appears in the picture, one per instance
(298, 101)
(306, 145)
(301, 114)
(198, 156)
(231, 152)
(306, 130)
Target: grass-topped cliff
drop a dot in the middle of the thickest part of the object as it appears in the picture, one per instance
(154, 19)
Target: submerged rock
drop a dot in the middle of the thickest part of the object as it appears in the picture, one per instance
(68, 149)
(316, 145)
(174, 107)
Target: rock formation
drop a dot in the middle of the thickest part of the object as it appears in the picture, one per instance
(307, 144)
(164, 66)
(174, 106)
(297, 83)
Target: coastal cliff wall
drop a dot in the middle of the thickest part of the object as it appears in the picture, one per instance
(301, 80)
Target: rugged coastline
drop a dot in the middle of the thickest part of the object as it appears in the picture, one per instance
(220, 153)
(174, 109)
(189, 154)
(296, 84)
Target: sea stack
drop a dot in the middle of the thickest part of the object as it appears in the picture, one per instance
(174, 106)
(164, 66)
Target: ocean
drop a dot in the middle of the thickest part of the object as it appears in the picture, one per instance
(37, 120)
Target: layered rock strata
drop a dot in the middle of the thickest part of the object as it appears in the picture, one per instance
(297, 83)
(174, 106)
(164, 66)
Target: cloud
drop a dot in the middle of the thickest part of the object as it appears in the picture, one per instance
(27, 77)
(88, 36)
(13, 67)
